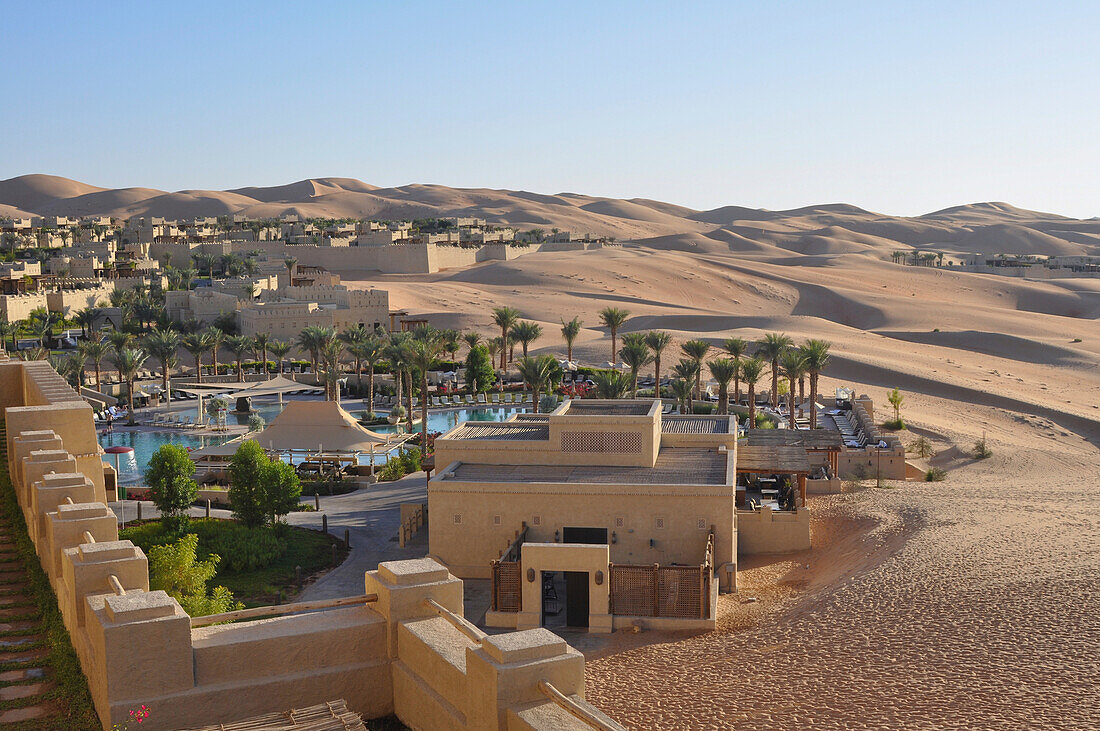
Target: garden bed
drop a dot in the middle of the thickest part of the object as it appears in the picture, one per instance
(270, 584)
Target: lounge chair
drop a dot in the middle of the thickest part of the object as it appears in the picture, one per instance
(481, 399)
(436, 402)
(495, 398)
(469, 400)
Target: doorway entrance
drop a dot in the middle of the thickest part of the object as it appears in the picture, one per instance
(566, 590)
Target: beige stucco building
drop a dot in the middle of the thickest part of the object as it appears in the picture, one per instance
(285, 312)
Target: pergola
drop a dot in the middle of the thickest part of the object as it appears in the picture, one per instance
(812, 440)
(775, 460)
(275, 386)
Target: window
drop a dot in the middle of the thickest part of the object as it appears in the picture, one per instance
(701, 523)
(496, 520)
(620, 522)
(537, 520)
(458, 518)
(659, 522)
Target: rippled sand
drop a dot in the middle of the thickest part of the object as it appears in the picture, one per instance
(970, 603)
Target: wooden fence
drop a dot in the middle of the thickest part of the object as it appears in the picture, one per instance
(507, 572)
(663, 591)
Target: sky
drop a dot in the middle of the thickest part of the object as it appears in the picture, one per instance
(901, 108)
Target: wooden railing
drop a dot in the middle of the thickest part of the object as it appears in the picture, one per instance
(507, 586)
(576, 709)
(410, 526)
(279, 609)
(462, 624)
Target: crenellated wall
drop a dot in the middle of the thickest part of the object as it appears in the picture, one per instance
(403, 647)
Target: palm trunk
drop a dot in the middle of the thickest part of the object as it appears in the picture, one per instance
(813, 400)
(503, 348)
(614, 349)
(370, 387)
(801, 389)
(398, 386)
(424, 412)
(164, 381)
(535, 394)
(98, 380)
(569, 350)
(409, 402)
(790, 404)
(130, 403)
(737, 384)
(752, 407)
(723, 399)
(267, 375)
(657, 376)
(635, 393)
(775, 384)
(240, 372)
(198, 368)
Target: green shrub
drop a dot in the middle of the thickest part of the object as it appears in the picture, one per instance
(171, 487)
(895, 424)
(762, 421)
(981, 449)
(702, 408)
(935, 474)
(410, 460)
(392, 470)
(328, 487)
(174, 569)
(245, 549)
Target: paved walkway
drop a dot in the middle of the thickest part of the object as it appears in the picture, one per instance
(372, 517)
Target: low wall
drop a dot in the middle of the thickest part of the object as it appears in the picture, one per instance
(772, 531)
(138, 646)
(831, 486)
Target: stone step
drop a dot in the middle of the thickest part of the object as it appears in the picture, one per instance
(15, 676)
(27, 690)
(27, 713)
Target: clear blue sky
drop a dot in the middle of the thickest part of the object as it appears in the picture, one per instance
(896, 107)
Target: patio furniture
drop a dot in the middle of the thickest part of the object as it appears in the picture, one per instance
(495, 398)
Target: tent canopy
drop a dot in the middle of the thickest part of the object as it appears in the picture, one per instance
(309, 426)
(272, 387)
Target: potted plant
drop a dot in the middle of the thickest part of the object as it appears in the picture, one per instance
(397, 413)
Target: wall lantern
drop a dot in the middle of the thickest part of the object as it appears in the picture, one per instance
(599, 578)
(557, 536)
(531, 575)
(614, 538)
(652, 543)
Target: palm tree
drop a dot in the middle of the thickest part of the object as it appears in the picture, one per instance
(197, 344)
(368, 351)
(505, 318)
(69, 367)
(260, 344)
(635, 353)
(423, 354)
(396, 354)
(8, 330)
(238, 345)
(290, 261)
(793, 367)
(526, 332)
(450, 342)
(129, 361)
(723, 370)
(279, 350)
(613, 318)
(493, 345)
(216, 337)
(770, 349)
(682, 390)
(96, 351)
(737, 348)
(472, 339)
(611, 384)
(569, 331)
(162, 345)
(119, 341)
(657, 341)
(816, 355)
(311, 339)
(696, 351)
(687, 370)
(87, 319)
(751, 370)
(330, 356)
(537, 373)
(40, 324)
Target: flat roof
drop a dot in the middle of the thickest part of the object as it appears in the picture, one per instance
(579, 407)
(674, 467)
(503, 431)
(696, 425)
(814, 439)
(772, 459)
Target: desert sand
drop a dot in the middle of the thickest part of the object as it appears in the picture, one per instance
(968, 603)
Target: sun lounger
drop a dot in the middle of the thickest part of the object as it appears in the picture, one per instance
(469, 400)
(481, 399)
(495, 398)
(436, 402)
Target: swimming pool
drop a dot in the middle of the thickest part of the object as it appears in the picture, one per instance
(145, 443)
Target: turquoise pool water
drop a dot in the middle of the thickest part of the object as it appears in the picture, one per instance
(145, 443)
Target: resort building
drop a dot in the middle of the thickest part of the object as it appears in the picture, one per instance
(287, 311)
(203, 304)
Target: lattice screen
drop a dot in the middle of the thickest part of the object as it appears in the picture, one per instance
(615, 442)
(507, 588)
(664, 591)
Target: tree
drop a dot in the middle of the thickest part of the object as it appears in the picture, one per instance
(611, 384)
(330, 358)
(657, 341)
(793, 366)
(696, 351)
(569, 331)
(171, 484)
(238, 345)
(423, 354)
(723, 370)
(613, 318)
(895, 398)
(311, 339)
(751, 370)
(505, 318)
(162, 345)
(173, 568)
(196, 344)
(687, 370)
(450, 342)
(396, 355)
(682, 390)
(8, 331)
(96, 351)
(260, 345)
(538, 374)
(816, 354)
(247, 473)
(770, 349)
(737, 348)
(525, 332)
(479, 369)
(129, 361)
(215, 339)
(493, 345)
(635, 353)
(472, 339)
(279, 350)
